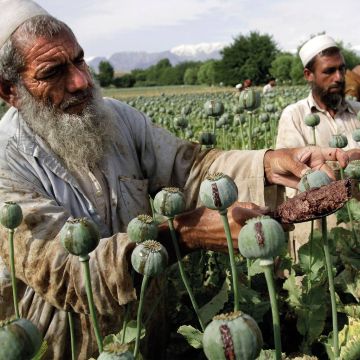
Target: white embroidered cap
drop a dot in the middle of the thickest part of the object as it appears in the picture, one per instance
(14, 13)
(315, 45)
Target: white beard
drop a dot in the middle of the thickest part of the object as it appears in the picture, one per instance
(79, 140)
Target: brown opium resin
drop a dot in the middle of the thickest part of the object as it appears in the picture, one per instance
(315, 203)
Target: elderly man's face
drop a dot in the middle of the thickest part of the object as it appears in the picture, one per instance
(56, 74)
(328, 78)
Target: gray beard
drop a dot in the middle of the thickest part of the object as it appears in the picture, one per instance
(79, 140)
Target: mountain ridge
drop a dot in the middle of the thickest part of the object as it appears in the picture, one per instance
(126, 61)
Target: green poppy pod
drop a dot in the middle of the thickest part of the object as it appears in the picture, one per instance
(214, 108)
(356, 134)
(232, 336)
(218, 191)
(79, 236)
(207, 138)
(19, 339)
(116, 351)
(313, 179)
(352, 171)
(170, 201)
(312, 120)
(261, 238)
(149, 258)
(264, 117)
(249, 99)
(237, 109)
(181, 122)
(10, 215)
(186, 110)
(239, 119)
(270, 108)
(141, 228)
(338, 141)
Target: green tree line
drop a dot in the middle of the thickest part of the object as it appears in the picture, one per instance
(255, 56)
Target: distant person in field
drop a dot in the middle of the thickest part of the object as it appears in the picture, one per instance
(269, 87)
(324, 70)
(352, 82)
(67, 152)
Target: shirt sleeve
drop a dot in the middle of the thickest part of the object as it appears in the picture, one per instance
(43, 264)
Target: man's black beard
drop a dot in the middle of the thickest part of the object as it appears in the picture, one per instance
(330, 99)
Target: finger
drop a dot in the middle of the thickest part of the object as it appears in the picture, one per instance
(328, 170)
(335, 154)
(252, 206)
(241, 215)
(298, 168)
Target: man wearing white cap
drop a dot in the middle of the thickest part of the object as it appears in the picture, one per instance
(67, 152)
(324, 70)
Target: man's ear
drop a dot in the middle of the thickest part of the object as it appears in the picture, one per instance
(308, 75)
(8, 92)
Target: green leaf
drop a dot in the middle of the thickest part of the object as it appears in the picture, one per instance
(349, 341)
(346, 246)
(312, 314)
(251, 303)
(293, 286)
(110, 339)
(349, 281)
(354, 207)
(255, 268)
(216, 304)
(193, 336)
(352, 310)
(311, 258)
(130, 333)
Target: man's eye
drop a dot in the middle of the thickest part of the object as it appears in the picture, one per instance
(80, 61)
(49, 74)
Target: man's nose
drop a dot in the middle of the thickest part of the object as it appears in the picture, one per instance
(77, 79)
(339, 75)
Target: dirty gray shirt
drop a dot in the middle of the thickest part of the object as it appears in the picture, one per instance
(143, 159)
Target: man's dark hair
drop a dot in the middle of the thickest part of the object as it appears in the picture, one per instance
(327, 52)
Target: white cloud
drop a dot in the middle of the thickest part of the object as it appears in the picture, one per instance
(109, 16)
(101, 23)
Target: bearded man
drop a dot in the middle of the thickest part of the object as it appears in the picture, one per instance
(65, 152)
(324, 70)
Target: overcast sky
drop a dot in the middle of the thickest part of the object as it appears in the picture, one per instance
(104, 27)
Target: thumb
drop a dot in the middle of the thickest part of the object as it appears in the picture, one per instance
(297, 167)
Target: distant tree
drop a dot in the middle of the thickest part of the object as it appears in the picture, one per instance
(125, 81)
(248, 57)
(281, 66)
(190, 76)
(350, 56)
(206, 73)
(297, 71)
(106, 73)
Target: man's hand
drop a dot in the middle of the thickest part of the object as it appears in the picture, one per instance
(287, 166)
(202, 228)
(354, 154)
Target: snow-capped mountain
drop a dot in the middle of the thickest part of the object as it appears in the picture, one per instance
(127, 61)
(195, 50)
